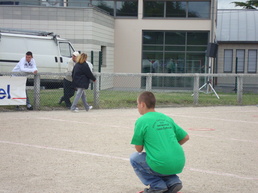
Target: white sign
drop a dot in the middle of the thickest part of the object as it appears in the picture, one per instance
(12, 90)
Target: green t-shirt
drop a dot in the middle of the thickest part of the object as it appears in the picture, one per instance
(159, 135)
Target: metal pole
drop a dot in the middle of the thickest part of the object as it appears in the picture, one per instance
(148, 82)
(99, 70)
(37, 92)
(100, 61)
(92, 61)
(92, 57)
(240, 90)
(196, 90)
(96, 92)
(236, 77)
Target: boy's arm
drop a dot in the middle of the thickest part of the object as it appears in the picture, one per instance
(185, 139)
(139, 148)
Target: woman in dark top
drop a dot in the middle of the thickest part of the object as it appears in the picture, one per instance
(81, 79)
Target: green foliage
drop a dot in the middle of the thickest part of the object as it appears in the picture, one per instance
(251, 4)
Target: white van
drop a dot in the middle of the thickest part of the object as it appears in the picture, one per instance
(50, 52)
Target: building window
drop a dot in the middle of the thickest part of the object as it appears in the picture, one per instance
(199, 9)
(126, 8)
(228, 61)
(174, 52)
(240, 64)
(252, 61)
(176, 8)
(9, 3)
(108, 6)
(153, 9)
(78, 3)
(118, 8)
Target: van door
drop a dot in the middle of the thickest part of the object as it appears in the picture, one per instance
(66, 51)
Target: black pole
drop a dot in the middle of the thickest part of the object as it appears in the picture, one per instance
(91, 57)
(92, 60)
(100, 63)
(100, 60)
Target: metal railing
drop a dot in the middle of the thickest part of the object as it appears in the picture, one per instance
(133, 82)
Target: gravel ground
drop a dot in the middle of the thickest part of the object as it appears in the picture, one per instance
(85, 152)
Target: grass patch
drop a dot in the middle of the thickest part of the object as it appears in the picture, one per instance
(110, 99)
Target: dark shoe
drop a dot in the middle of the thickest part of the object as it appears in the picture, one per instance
(68, 105)
(29, 107)
(61, 100)
(175, 188)
(146, 190)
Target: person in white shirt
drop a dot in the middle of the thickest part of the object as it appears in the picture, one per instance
(90, 65)
(27, 64)
(67, 82)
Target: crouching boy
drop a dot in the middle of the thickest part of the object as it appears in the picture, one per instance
(161, 138)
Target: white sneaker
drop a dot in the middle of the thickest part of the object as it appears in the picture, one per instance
(76, 110)
(90, 107)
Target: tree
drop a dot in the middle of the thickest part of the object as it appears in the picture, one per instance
(251, 4)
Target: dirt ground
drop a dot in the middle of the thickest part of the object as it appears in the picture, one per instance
(86, 152)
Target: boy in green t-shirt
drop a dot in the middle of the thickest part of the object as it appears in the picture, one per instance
(161, 138)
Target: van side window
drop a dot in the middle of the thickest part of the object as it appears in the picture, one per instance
(66, 49)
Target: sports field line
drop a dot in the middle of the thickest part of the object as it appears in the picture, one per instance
(128, 127)
(64, 150)
(71, 121)
(124, 159)
(211, 118)
(83, 122)
(232, 139)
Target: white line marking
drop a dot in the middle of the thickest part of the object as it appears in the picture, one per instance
(233, 139)
(124, 159)
(81, 122)
(64, 150)
(210, 118)
(221, 174)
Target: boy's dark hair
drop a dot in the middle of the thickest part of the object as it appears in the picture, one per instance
(148, 98)
(29, 53)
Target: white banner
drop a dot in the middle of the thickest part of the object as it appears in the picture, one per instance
(12, 90)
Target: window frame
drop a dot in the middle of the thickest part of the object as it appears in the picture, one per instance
(231, 61)
(238, 70)
(248, 61)
(186, 9)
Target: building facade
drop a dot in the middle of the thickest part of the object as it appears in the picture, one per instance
(237, 37)
(135, 36)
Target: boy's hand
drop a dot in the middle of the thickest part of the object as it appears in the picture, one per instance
(139, 148)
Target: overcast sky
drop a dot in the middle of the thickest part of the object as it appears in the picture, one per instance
(226, 4)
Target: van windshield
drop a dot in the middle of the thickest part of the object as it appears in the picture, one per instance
(66, 50)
